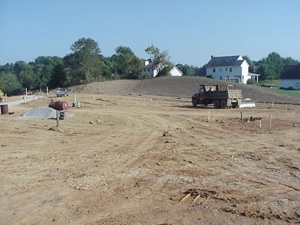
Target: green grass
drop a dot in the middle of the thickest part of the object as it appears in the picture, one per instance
(276, 89)
(292, 93)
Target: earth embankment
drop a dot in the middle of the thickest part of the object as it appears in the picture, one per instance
(182, 87)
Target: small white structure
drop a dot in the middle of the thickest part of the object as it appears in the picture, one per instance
(152, 70)
(290, 77)
(230, 68)
(175, 72)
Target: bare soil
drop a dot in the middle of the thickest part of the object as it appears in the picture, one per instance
(137, 158)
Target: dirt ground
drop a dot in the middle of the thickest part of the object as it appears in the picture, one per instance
(141, 159)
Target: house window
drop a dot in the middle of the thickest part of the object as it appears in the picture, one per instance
(220, 77)
(230, 69)
(226, 69)
(214, 70)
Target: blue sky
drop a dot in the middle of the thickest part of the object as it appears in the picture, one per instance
(190, 30)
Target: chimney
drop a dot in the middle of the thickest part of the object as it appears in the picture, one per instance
(146, 62)
(211, 56)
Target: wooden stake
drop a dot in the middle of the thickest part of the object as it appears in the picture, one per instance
(259, 123)
(208, 116)
(198, 196)
(185, 197)
(57, 118)
(270, 120)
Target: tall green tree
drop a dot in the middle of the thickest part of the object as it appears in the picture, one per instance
(84, 64)
(58, 76)
(288, 61)
(7, 68)
(270, 67)
(19, 66)
(128, 65)
(9, 83)
(158, 58)
(28, 78)
(43, 66)
(187, 70)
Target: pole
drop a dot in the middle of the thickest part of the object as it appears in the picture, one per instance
(241, 116)
(208, 116)
(25, 97)
(75, 100)
(57, 118)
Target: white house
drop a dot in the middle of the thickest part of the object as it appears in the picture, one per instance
(152, 70)
(230, 68)
(290, 77)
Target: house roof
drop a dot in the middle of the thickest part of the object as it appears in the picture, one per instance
(290, 72)
(149, 65)
(224, 61)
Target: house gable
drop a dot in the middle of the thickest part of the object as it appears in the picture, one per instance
(175, 71)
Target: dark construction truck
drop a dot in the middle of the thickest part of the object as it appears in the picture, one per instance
(221, 96)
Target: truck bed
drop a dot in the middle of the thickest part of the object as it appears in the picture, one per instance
(228, 94)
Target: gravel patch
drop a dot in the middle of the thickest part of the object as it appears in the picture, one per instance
(39, 112)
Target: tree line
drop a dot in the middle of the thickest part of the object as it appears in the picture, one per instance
(86, 64)
(270, 67)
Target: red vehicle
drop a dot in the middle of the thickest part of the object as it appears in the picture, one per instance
(221, 96)
(28, 93)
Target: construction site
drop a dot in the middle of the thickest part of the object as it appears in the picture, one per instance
(138, 152)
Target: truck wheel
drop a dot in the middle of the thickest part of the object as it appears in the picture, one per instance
(194, 104)
(223, 104)
(216, 104)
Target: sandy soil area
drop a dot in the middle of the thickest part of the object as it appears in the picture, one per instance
(142, 159)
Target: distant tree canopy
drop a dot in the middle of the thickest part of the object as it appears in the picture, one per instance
(271, 66)
(188, 70)
(86, 64)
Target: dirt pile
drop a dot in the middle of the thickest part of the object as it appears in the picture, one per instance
(182, 87)
(39, 112)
